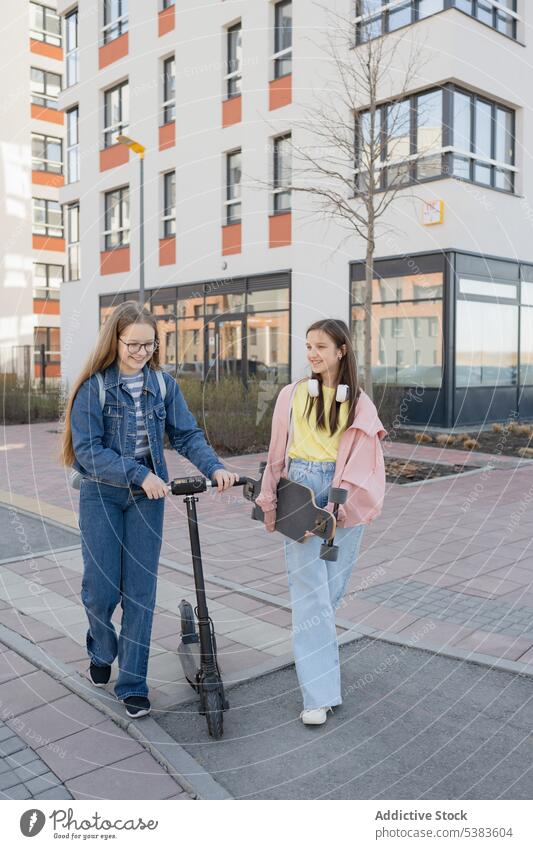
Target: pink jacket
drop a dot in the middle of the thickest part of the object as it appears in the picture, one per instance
(360, 467)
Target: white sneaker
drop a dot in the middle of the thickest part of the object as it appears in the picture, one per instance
(315, 716)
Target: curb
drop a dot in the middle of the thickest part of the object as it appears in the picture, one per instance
(188, 774)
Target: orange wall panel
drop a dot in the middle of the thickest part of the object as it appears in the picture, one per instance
(111, 157)
(45, 178)
(112, 52)
(113, 262)
(50, 50)
(280, 92)
(231, 239)
(43, 113)
(167, 251)
(167, 135)
(231, 111)
(280, 230)
(167, 20)
(48, 243)
(41, 306)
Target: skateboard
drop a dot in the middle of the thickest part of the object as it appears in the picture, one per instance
(297, 512)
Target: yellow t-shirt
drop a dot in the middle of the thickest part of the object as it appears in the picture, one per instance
(308, 442)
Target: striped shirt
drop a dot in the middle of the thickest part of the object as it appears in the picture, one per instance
(135, 382)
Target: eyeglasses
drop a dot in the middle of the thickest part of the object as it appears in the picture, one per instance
(135, 347)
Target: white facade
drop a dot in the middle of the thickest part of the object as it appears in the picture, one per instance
(454, 48)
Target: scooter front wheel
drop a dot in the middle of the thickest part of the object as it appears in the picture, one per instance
(213, 703)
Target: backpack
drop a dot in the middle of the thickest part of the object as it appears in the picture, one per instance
(77, 477)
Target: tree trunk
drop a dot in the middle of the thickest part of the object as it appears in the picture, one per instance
(369, 275)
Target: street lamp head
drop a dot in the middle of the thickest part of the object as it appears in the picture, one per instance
(136, 146)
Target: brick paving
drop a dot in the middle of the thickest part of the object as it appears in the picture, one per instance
(453, 553)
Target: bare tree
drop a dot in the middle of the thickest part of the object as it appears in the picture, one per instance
(360, 156)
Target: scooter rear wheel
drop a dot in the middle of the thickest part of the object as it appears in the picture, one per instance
(214, 713)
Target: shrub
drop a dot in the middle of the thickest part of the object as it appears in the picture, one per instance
(23, 404)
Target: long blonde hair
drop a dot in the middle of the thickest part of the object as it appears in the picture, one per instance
(103, 355)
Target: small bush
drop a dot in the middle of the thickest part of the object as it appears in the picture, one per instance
(525, 452)
(470, 443)
(422, 437)
(23, 404)
(445, 439)
(497, 428)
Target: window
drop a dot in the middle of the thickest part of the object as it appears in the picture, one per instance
(233, 187)
(47, 280)
(167, 3)
(72, 54)
(234, 66)
(486, 334)
(46, 154)
(407, 313)
(116, 112)
(410, 141)
(526, 335)
(47, 218)
(49, 338)
(45, 88)
(282, 173)
(73, 151)
(73, 241)
(115, 19)
(45, 24)
(117, 218)
(282, 39)
(169, 90)
(377, 17)
(169, 204)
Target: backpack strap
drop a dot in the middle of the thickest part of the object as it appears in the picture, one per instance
(101, 389)
(162, 384)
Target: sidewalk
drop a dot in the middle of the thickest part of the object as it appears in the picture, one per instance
(448, 565)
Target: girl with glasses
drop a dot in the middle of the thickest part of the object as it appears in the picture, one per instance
(119, 410)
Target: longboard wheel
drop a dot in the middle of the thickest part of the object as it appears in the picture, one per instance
(329, 552)
(338, 495)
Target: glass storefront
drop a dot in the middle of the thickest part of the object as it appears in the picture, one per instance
(224, 328)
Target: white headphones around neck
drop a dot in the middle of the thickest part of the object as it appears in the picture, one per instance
(341, 394)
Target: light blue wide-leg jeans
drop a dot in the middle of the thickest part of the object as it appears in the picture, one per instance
(316, 589)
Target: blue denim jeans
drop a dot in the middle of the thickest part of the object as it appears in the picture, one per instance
(121, 531)
(316, 589)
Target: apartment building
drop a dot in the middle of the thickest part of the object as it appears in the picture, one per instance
(32, 139)
(236, 268)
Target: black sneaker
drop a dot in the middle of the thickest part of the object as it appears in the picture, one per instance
(137, 706)
(99, 675)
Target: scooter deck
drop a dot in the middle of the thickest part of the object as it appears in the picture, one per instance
(296, 512)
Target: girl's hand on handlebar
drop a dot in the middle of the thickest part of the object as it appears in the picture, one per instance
(224, 479)
(154, 487)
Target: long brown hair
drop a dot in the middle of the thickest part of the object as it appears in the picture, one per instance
(338, 331)
(103, 355)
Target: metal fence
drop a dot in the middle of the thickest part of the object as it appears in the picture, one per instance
(30, 364)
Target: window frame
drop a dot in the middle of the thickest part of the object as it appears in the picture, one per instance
(169, 218)
(73, 52)
(47, 227)
(112, 130)
(278, 183)
(73, 246)
(231, 202)
(50, 99)
(280, 55)
(47, 288)
(48, 36)
(233, 78)
(124, 237)
(46, 138)
(169, 103)
(120, 23)
(72, 148)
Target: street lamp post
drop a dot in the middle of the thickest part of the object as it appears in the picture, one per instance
(139, 149)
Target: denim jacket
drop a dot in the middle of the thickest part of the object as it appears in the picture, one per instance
(104, 440)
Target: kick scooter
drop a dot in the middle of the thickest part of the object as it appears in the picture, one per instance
(197, 650)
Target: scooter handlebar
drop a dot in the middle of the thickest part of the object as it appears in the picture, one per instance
(197, 483)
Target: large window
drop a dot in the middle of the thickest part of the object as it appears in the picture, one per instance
(377, 17)
(73, 241)
(47, 338)
(406, 327)
(169, 90)
(282, 173)
(409, 141)
(47, 218)
(73, 150)
(233, 187)
(72, 53)
(46, 153)
(45, 24)
(234, 60)
(282, 38)
(169, 204)
(526, 334)
(116, 112)
(47, 280)
(117, 218)
(45, 88)
(115, 19)
(486, 333)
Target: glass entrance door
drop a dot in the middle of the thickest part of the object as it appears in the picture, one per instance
(224, 348)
